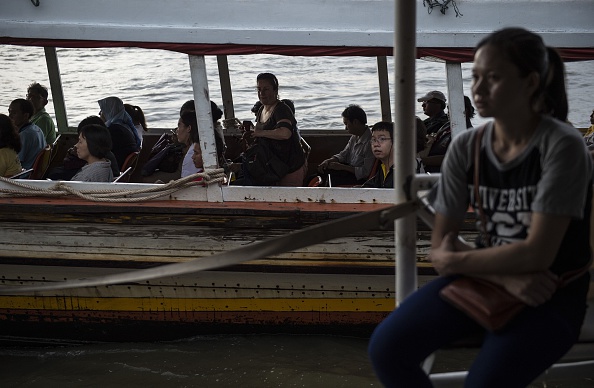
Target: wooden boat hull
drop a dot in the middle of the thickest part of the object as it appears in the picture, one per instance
(346, 285)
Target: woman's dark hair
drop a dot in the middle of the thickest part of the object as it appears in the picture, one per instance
(189, 106)
(9, 136)
(90, 120)
(216, 112)
(188, 117)
(468, 108)
(269, 77)
(528, 53)
(98, 139)
(137, 115)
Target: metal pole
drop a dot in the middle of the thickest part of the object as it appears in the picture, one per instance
(384, 88)
(404, 143)
(225, 81)
(53, 72)
(455, 98)
(204, 118)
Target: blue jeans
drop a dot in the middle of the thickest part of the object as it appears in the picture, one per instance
(513, 357)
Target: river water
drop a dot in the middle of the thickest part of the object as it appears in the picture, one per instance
(159, 82)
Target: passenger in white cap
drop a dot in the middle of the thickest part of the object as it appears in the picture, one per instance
(434, 104)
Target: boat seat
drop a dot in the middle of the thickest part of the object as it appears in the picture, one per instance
(41, 163)
(128, 167)
(315, 181)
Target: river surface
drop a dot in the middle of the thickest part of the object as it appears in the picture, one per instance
(159, 82)
(256, 361)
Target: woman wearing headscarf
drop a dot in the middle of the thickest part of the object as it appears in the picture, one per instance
(121, 128)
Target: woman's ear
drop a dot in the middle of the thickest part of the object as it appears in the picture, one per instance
(532, 89)
(533, 82)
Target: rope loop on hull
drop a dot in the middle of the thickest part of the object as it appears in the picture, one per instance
(61, 189)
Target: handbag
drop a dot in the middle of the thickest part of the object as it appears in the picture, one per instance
(167, 159)
(263, 166)
(487, 303)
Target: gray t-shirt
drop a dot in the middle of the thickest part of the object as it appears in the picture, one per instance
(95, 172)
(553, 175)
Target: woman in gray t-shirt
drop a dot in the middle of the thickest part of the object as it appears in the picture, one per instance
(535, 189)
(94, 142)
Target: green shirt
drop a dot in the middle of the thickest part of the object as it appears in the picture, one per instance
(43, 120)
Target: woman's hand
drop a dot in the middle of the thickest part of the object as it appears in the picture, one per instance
(443, 257)
(259, 130)
(533, 289)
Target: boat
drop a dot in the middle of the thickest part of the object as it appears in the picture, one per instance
(52, 233)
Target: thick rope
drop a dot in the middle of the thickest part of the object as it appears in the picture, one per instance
(61, 189)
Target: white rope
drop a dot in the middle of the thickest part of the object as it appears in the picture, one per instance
(60, 189)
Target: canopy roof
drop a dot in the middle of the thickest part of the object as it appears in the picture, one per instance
(291, 27)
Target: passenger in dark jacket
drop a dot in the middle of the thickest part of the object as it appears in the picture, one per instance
(382, 147)
(120, 127)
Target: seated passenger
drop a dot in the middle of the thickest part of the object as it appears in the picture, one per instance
(138, 119)
(274, 151)
(381, 143)
(352, 165)
(434, 104)
(37, 94)
(438, 142)
(10, 145)
(94, 142)
(72, 163)
(120, 127)
(187, 134)
(217, 113)
(33, 141)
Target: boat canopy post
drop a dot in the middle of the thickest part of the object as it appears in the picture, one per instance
(204, 119)
(384, 88)
(404, 143)
(53, 72)
(455, 98)
(225, 81)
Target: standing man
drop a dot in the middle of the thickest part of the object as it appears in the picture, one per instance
(20, 112)
(352, 165)
(434, 104)
(37, 94)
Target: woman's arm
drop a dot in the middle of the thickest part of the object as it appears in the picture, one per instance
(278, 133)
(534, 254)
(521, 267)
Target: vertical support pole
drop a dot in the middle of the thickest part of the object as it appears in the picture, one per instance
(455, 98)
(225, 81)
(53, 72)
(384, 88)
(204, 118)
(404, 143)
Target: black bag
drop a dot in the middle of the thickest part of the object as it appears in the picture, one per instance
(263, 166)
(165, 139)
(166, 160)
